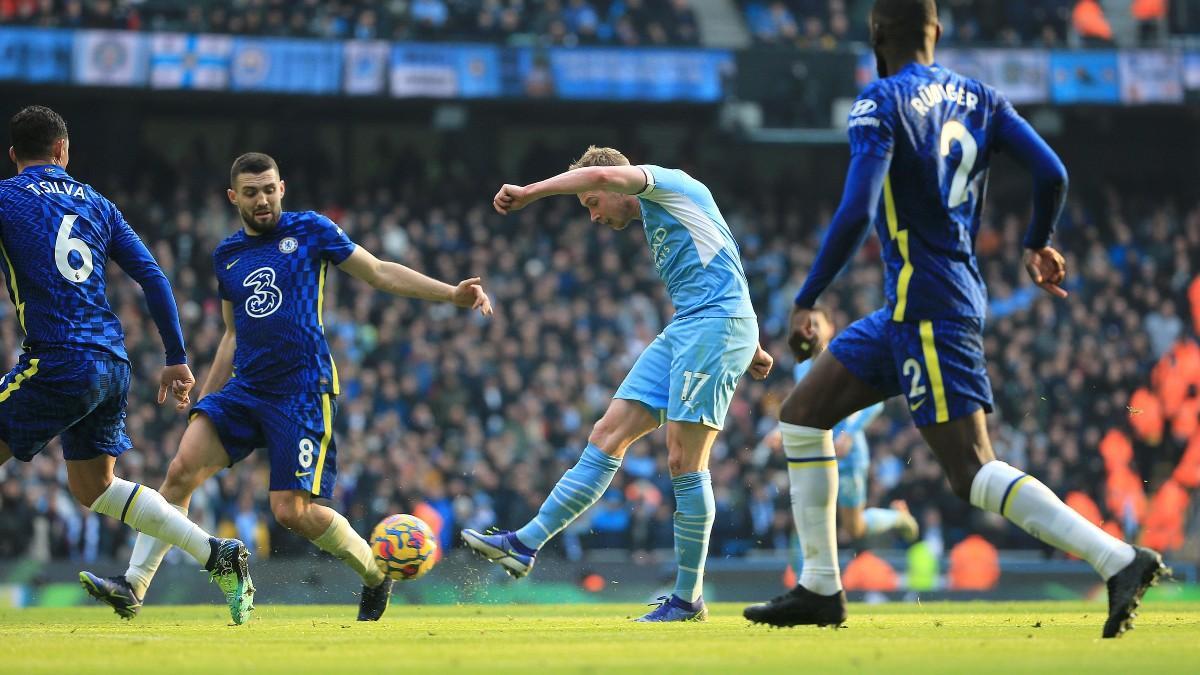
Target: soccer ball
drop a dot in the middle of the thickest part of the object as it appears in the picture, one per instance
(404, 547)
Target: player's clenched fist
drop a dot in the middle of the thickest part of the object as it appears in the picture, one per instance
(179, 381)
(760, 367)
(511, 198)
(803, 336)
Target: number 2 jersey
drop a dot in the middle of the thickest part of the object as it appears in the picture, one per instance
(939, 129)
(57, 236)
(276, 284)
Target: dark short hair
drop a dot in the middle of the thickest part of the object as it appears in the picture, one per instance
(251, 162)
(903, 22)
(34, 131)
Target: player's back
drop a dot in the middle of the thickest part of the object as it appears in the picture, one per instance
(938, 127)
(693, 248)
(56, 235)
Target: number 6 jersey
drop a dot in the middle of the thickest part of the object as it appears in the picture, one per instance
(939, 129)
(57, 236)
(276, 283)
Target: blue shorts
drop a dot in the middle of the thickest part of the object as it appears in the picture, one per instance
(690, 371)
(938, 365)
(296, 430)
(852, 475)
(83, 400)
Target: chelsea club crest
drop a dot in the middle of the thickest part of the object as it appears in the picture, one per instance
(287, 245)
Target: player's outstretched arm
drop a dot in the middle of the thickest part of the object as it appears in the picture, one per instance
(397, 279)
(628, 180)
(1044, 264)
(222, 365)
(851, 222)
(128, 250)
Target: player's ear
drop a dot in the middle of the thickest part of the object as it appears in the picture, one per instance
(282, 187)
(937, 34)
(12, 154)
(232, 196)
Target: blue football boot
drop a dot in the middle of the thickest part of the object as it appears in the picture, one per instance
(112, 591)
(673, 608)
(503, 548)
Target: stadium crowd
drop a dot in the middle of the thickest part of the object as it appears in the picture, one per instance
(468, 422)
(547, 22)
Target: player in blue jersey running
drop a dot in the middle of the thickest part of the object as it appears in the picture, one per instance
(57, 236)
(273, 382)
(854, 461)
(686, 377)
(921, 141)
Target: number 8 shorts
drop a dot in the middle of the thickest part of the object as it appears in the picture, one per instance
(690, 371)
(296, 430)
(938, 365)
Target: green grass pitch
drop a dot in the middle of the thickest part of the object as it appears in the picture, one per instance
(970, 637)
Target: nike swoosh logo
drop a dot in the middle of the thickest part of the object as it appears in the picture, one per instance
(230, 265)
(303, 474)
(912, 407)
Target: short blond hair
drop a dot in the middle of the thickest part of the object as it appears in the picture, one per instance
(595, 156)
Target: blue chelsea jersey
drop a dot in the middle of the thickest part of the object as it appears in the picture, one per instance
(57, 236)
(276, 283)
(937, 128)
(692, 247)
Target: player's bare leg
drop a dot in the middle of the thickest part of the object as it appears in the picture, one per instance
(688, 447)
(332, 533)
(858, 522)
(200, 457)
(623, 423)
(828, 394)
(965, 452)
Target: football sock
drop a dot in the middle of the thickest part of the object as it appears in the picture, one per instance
(879, 521)
(1033, 507)
(146, 511)
(343, 543)
(147, 555)
(695, 509)
(580, 487)
(812, 470)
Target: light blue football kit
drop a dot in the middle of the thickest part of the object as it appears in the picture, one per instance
(690, 371)
(687, 374)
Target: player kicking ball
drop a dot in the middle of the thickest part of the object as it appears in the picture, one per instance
(685, 377)
(57, 236)
(271, 278)
(922, 137)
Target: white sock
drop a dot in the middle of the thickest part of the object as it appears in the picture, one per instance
(146, 511)
(879, 521)
(147, 555)
(343, 543)
(812, 468)
(1024, 500)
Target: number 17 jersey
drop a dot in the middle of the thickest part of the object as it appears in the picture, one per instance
(939, 130)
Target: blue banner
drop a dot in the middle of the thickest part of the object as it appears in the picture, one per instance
(35, 55)
(445, 71)
(181, 61)
(286, 65)
(637, 75)
(1084, 77)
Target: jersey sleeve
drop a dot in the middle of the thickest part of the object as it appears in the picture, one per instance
(332, 241)
(130, 252)
(222, 292)
(871, 123)
(662, 182)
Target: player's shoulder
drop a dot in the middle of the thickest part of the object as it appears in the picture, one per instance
(672, 180)
(306, 221)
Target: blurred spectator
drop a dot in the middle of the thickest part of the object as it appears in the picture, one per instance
(1151, 16)
(1091, 25)
(473, 419)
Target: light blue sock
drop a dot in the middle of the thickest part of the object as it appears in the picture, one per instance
(879, 521)
(578, 489)
(695, 509)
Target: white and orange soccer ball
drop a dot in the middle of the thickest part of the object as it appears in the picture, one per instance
(405, 547)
